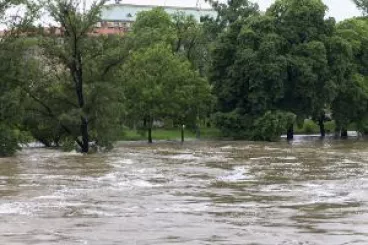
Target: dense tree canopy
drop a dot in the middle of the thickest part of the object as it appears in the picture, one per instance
(266, 71)
(161, 77)
(11, 96)
(75, 93)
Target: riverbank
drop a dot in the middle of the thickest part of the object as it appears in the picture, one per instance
(174, 134)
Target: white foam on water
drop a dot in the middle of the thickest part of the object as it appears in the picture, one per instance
(238, 174)
(112, 177)
(52, 197)
(139, 183)
(259, 158)
(98, 213)
(286, 158)
(14, 208)
(267, 148)
(228, 147)
(125, 161)
(184, 157)
(72, 153)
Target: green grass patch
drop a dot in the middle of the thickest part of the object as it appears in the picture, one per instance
(171, 134)
(310, 127)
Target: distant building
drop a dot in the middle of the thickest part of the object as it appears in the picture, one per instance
(118, 18)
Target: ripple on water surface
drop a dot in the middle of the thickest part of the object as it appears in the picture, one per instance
(309, 192)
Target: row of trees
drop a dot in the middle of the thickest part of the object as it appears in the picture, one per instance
(79, 88)
(254, 74)
(272, 70)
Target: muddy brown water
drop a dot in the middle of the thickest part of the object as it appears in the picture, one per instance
(307, 192)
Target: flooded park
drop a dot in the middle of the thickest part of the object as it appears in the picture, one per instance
(310, 191)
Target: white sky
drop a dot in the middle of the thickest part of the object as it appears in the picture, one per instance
(340, 9)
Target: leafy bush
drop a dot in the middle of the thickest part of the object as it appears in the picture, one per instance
(8, 141)
(271, 125)
(268, 127)
(309, 127)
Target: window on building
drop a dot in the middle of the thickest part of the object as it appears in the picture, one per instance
(110, 24)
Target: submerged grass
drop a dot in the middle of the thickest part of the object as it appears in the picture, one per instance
(172, 134)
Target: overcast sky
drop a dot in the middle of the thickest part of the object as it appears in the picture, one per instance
(340, 9)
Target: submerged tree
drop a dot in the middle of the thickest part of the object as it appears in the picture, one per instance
(82, 78)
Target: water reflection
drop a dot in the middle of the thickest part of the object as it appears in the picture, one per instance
(308, 192)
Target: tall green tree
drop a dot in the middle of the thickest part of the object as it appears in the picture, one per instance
(309, 88)
(350, 105)
(191, 41)
(88, 90)
(160, 90)
(151, 27)
(248, 73)
(11, 96)
(159, 85)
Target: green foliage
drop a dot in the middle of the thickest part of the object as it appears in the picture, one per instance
(154, 26)
(309, 127)
(172, 134)
(289, 59)
(78, 93)
(161, 77)
(8, 141)
(350, 104)
(267, 127)
(266, 71)
(363, 5)
(271, 125)
(162, 85)
(11, 96)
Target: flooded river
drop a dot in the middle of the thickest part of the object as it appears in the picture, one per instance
(307, 192)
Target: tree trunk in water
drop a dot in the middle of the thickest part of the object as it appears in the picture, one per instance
(85, 137)
(344, 133)
(182, 134)
(150, 131)
(46, 143)
(83, 121)
(77, 74)
(337, 131)
(150, 135)
(198, 132)
(322, 128)
(290, 132)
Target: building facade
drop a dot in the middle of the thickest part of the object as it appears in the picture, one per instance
(118, 18)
